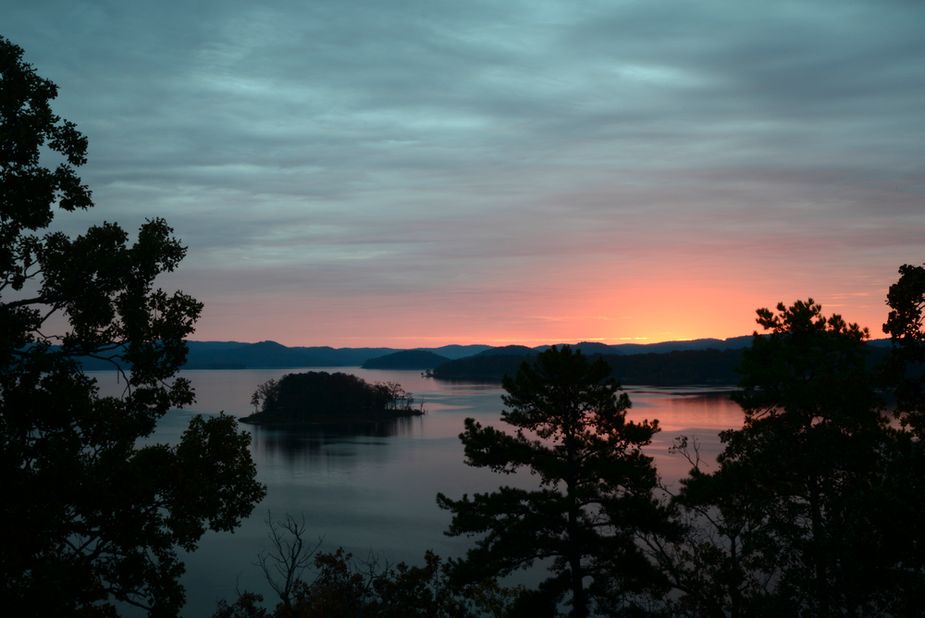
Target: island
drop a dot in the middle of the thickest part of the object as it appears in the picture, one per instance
(321, 398)
(406, 359)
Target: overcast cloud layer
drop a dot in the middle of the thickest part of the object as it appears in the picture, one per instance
(409, 173)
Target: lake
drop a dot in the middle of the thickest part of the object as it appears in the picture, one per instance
(374, 492)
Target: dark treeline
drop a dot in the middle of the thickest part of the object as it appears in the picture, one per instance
(406, 359)
(675, 368)
(680, 367)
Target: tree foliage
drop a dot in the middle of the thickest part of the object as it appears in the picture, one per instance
(906, 327)
(801, 515)
(595, 488)
(89, 516)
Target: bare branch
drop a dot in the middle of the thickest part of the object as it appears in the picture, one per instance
(288, 557)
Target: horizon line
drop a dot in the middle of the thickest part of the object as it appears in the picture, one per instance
(496, 342)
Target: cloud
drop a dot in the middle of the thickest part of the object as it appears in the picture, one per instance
(417, 147)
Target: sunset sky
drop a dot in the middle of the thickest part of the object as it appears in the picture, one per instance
(420, 173)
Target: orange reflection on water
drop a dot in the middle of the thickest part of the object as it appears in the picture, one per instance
(697, 414)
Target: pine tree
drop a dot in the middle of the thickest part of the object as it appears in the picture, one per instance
(595, 490)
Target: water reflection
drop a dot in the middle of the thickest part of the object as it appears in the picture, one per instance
(681, 409)
(338, 444)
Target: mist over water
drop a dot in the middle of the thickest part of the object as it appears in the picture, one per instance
(372, 488)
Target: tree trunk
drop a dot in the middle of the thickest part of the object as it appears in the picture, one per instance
(734, 595)
(819, 557)
(579, 598)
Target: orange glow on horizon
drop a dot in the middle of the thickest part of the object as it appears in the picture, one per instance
(649, 310)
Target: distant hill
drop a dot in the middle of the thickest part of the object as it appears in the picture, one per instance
(479, 362)
(509, 350)
(273, 355)
(604, 349)
(269, 354)
(489, 365)
(454, 351)
(406, 359)
(678, 367)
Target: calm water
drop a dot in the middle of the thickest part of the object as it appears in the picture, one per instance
(374, 492)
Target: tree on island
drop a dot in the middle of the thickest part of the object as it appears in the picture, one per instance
(595, 489)
(321, 397)
(90, 517)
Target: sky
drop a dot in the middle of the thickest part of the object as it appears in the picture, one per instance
(410, 174)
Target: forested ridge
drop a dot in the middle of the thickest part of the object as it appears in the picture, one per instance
(675, 368)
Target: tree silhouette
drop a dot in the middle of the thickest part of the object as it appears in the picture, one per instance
(906, 327)
(905, 375)
(89, 516)
(595, 487)
(801, 516)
